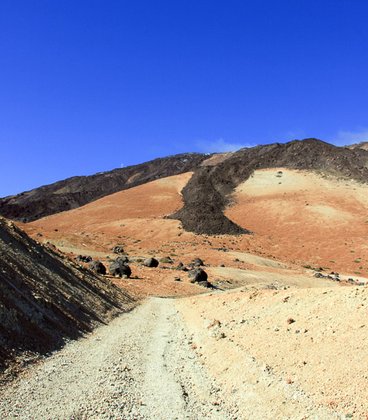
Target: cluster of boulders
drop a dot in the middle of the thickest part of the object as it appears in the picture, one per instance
(119, 266)
(333, 276)
(336, 277)
(196, 274)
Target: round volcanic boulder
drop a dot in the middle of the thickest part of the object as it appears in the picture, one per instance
(197, 275)
(97, 267)
(118, 269)
(150, 262)
(84, 258)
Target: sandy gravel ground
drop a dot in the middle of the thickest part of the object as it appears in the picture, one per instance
(286, 352)
(157, 362)
(141, 366)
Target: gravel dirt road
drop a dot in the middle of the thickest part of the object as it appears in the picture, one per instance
(139, 366)
(155, 363)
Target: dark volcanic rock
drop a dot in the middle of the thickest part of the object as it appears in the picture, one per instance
(119, 269)
(97, 267)
(84, 258)
(197, 275)
(123, 259)
(197, 262)
(150, 262)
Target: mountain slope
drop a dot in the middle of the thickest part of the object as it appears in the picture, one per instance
(45, 299)
(77, 191)
(209, 191)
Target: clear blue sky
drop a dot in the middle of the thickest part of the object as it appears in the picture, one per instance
(87, 86)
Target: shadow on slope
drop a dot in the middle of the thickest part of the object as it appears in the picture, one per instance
(45, 299)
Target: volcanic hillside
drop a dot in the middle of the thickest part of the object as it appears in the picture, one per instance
(46, 299)
(304, 202)
(77, 191)
(209, 190)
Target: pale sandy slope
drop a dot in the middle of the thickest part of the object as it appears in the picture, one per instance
(308, 343)
(302, 216)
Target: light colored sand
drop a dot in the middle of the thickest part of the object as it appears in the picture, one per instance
(320, 356)
(302, 216)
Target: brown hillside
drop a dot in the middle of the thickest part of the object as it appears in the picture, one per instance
(363, 145)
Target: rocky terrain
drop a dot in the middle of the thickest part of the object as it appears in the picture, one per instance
(285, 353)
(149, 365)
(251, 273)
(46, 299)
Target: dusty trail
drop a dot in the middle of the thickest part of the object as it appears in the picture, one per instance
(139, 366)
(152, 363)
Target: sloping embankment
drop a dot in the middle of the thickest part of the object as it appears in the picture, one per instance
(45, 299)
